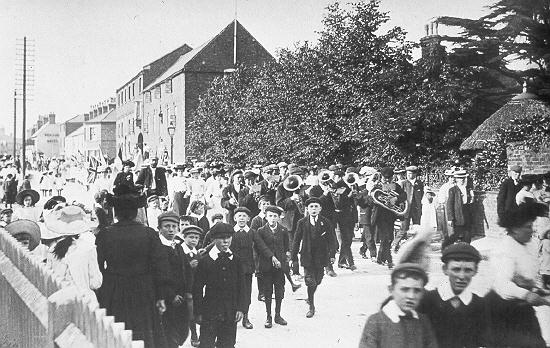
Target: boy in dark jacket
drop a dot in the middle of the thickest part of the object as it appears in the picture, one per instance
(272, 245)
(179, 301)
(316, 236)
(218, 291)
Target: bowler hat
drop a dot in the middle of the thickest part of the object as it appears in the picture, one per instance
(386, 172)
(221, 230)
(460, 252)
(128, 163)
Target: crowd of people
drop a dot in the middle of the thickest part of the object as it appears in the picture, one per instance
(167, 248)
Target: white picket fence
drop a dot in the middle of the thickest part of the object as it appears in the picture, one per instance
(38, 309)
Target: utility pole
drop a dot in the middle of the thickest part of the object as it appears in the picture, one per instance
(14, 124)
(24, 80)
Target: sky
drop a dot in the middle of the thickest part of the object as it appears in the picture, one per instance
(85, 49)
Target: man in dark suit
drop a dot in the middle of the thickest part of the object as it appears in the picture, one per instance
(506, 199)
(218, 291)
(459, 210)
(272, 246)
(316, 236)
(345, 216)
(153, 179)
(414, 188)
(236, 194)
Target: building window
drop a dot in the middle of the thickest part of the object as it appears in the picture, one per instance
(147, 97)
(146, 123)
(157, 93)
(168, 88)
(133, 90)
(92, 133)
(139, 85)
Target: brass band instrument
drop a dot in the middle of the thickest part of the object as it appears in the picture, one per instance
(387, 201)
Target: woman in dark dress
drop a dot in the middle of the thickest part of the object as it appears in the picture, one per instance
(135, 270)
(126, 177)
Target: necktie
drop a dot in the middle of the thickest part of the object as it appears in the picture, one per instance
(455, 302)
(224, 255)
(407, 315)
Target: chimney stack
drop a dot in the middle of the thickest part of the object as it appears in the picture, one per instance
(431, 43)
(51, 118)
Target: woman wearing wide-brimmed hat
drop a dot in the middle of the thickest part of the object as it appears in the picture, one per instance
(517, 288)
(26, 208)
(26, 232)
(73, 255)
(134, 267)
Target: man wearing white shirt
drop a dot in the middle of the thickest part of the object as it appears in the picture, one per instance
(458, 316)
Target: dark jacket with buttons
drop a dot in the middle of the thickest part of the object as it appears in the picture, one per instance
(243, 246)
(218, 288)
(269, 244)
(318, 243)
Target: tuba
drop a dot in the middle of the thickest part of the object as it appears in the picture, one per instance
(387, 201)
(351, 179)
(293, 183)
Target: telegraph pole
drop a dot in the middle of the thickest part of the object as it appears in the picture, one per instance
(24, 80)
(14, 124)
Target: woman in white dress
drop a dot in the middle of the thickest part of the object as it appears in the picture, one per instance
(26, 209)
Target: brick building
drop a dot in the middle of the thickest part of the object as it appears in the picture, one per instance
(129, 101)
(173, 96)
(100, 130)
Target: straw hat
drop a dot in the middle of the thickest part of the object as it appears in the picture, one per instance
(67, 221)
(25, 226)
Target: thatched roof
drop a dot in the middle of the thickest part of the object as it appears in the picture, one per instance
(522, 105)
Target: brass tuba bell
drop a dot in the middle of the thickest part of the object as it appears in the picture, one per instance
(292, 183)
(387, 200)
(325, 177)
(351, 179)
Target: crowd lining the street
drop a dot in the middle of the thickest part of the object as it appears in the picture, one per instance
(167, 248)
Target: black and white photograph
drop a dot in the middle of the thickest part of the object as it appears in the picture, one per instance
(275, 173)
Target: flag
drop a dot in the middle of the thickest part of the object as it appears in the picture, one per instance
(93, 163)
(118, 160)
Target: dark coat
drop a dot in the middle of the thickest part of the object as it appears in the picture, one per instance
(268, 189)
(145, 178)
(366, 205)
(257, 222)
(218, 288)
(294, 211)
(124, 179)
(344, 204)
(135, 275)
(243, 198)
(243, 246)
(466, 326)
(318, 242)
(455, 206)
(414, 199)
(506, 199)
(269, 244)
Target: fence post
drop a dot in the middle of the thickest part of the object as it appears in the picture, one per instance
(61, 307)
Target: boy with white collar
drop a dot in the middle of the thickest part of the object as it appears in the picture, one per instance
(398, 324)
(178, 300)
(218, 293)
(459, 317)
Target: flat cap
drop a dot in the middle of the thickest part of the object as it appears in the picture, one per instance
(221, 230)
(249, 174)
(412, 268)
(274, 209)
(460, 251)
(152, 198)
(168, 216)
(242, 210)
(312, 200)
(191, 229)
(295, 171)
(264, 198)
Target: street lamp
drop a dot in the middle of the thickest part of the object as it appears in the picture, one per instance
(171, 133)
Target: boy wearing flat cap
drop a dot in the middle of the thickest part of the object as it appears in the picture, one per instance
(218, 291)
(179, 302)
(316, 236)
(153, 210)
(398, 324)
(272, 245)
(458, 316)
(191, 236)
(243, 246)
